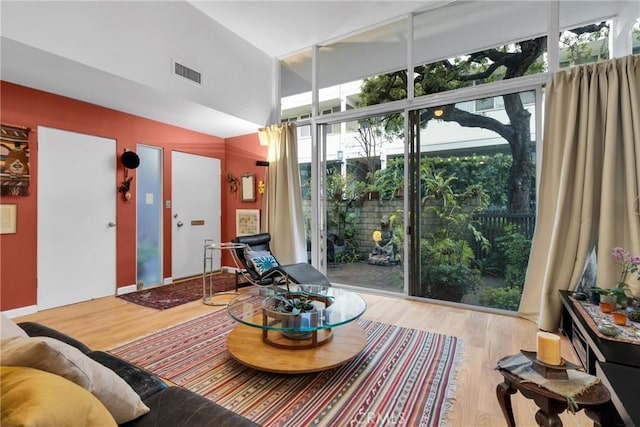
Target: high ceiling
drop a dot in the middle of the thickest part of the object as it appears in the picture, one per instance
(279, 28)
(120, 54)
(79, 50)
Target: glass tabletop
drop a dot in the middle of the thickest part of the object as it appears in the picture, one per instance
(262, 307)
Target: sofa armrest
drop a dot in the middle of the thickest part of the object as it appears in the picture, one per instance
(141, 381)
(179, 407)
(34, 329)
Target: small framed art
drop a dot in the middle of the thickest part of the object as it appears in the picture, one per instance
(247, 222)
(8, 213)
(248, 184)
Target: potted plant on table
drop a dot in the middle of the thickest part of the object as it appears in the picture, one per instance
(619, 294)
(292, 302)
(289, 308)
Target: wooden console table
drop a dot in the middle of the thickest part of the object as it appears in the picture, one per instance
(616, 363)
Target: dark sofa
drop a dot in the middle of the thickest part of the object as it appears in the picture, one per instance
(170, 406)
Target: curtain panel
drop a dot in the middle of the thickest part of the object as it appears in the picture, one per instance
(589, 186)
(282, 201)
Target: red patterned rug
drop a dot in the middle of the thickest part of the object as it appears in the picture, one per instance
(174, 294)
(402, 377)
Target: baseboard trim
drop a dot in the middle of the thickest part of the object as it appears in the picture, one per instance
(228, 269)
(126, 289)
(21, 311)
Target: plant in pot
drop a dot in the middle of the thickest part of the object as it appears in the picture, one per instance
(620, 294)
(611, 297)
(293, 302)
(293, 309)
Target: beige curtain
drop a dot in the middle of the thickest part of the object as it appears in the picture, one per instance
(282, 201)
(589, 186)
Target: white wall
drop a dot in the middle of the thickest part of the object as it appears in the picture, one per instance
(137, 41)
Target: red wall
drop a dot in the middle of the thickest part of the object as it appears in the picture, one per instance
(242, 153)
(32, 108)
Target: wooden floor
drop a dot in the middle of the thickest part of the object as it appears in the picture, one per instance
(104, 323)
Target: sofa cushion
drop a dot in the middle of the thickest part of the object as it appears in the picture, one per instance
(34, 329)
(179, 407)
(31, 397)
(9, 328)
(142, 382)
(56, 357)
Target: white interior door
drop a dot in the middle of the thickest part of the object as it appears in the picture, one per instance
(195, 183)
(76, 217)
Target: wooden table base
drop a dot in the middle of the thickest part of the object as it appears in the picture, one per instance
(551, 404)
(246, 346)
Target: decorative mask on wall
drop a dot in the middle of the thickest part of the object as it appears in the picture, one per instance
(233, 182)
(14, 160)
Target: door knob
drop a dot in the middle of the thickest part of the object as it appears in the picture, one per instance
(180, 224)
(112, 224)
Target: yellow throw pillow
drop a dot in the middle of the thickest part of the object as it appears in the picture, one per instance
(56, 357)
(31, 397)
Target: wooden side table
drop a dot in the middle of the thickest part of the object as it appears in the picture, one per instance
(552, 404)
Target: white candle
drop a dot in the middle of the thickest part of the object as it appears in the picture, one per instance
(549, 348)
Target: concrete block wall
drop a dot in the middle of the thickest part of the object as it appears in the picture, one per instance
(369, 213)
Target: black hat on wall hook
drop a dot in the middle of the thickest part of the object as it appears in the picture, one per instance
(129, 160)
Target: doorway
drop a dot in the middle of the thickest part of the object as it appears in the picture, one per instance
(196, 211)
(76, 217)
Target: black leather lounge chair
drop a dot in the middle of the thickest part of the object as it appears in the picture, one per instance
(301, 273)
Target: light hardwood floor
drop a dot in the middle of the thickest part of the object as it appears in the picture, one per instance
(104, 323)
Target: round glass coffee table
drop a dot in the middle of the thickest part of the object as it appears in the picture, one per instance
(271, 340)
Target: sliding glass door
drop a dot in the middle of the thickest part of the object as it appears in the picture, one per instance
(472, 175)
(363, 179)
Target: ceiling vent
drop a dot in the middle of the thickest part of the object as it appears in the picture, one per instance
(187, 73)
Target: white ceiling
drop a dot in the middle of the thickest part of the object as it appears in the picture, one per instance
(78, 50)
(118, 54)
(279, 28)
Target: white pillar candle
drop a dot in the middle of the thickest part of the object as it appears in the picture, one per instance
(549, 348)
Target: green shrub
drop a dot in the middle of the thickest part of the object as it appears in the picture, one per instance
(507, 298)
(489, 266)
(516, 248)
(449, 282)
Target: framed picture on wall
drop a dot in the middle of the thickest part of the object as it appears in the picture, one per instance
(248, 185)
(247, 221)
(8, 218)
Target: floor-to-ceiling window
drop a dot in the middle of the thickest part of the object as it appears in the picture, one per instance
(474, 97)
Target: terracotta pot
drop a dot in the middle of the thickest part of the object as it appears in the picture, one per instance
(619, 318)
(607, 303)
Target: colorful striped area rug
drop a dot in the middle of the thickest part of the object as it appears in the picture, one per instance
(403, 377)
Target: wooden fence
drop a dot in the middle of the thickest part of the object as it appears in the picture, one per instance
(492, 224)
